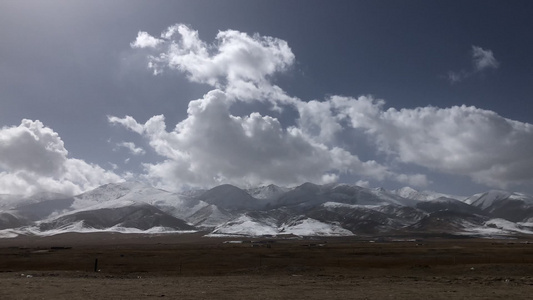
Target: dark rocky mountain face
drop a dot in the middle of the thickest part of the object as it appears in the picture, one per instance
(511, 209)
(41, 210)
(8, 220)
(446, 221)
(449, 205)
(230, 197)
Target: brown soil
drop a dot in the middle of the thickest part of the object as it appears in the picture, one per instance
(193, 267)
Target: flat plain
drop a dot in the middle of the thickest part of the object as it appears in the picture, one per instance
(189, 266)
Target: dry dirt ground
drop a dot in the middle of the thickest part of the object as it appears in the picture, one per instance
(194, 267)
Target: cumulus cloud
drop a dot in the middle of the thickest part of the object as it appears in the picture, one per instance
(133, 149)
(458, 140)
(32, 147)
(212, 146)
(128, 122)
(144, 40)
(236, 62)
(482, 60)
(33, 158)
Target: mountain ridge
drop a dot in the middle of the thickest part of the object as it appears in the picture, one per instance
(305, 210)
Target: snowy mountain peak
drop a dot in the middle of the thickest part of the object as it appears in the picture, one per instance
(308, 209)
(406, 192)
(410, 193)
(268, 192)
(487, 199)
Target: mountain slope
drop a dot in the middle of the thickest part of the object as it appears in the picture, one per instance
(305, 210)
(229, 197)
(443, 203)
(410, 193)
(514, 207)
(131, 215)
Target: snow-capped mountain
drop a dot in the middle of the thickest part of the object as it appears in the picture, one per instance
(135, 215)
(410, 193)
(174, 204)
(210, 216)
(269, 192)
(514, 207)
(305, 210)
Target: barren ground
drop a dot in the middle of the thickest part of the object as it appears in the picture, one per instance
(193, 267)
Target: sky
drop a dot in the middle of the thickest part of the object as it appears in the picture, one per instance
(435, 95)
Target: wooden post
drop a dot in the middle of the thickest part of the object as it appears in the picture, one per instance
(96, 264)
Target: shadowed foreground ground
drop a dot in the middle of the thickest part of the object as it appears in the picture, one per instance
(192, 267)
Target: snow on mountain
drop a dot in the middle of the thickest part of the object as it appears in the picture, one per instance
(136, 192)
(302, 226)
(337, 205)
(80, 227)
(484, 200)
(500, 227)
(306, 210)
(514, 207)
(123, 213)
(390, 198)
(410, 193)
(8, 234)
(269, 192)
(509, 226)
(247, 226)
(209, 216)
(487, 199)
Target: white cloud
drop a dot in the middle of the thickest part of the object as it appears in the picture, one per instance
(133, 149)
(458, 140)
(236, 62)
(211, 146)
(33, 158)
(32, 147)
(316, 119)
(455, 77)
(482, 60)
(128, 122)
(144, 40)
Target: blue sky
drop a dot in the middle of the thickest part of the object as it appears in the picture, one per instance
(430, 94)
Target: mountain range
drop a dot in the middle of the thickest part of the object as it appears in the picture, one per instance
(305, 210)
